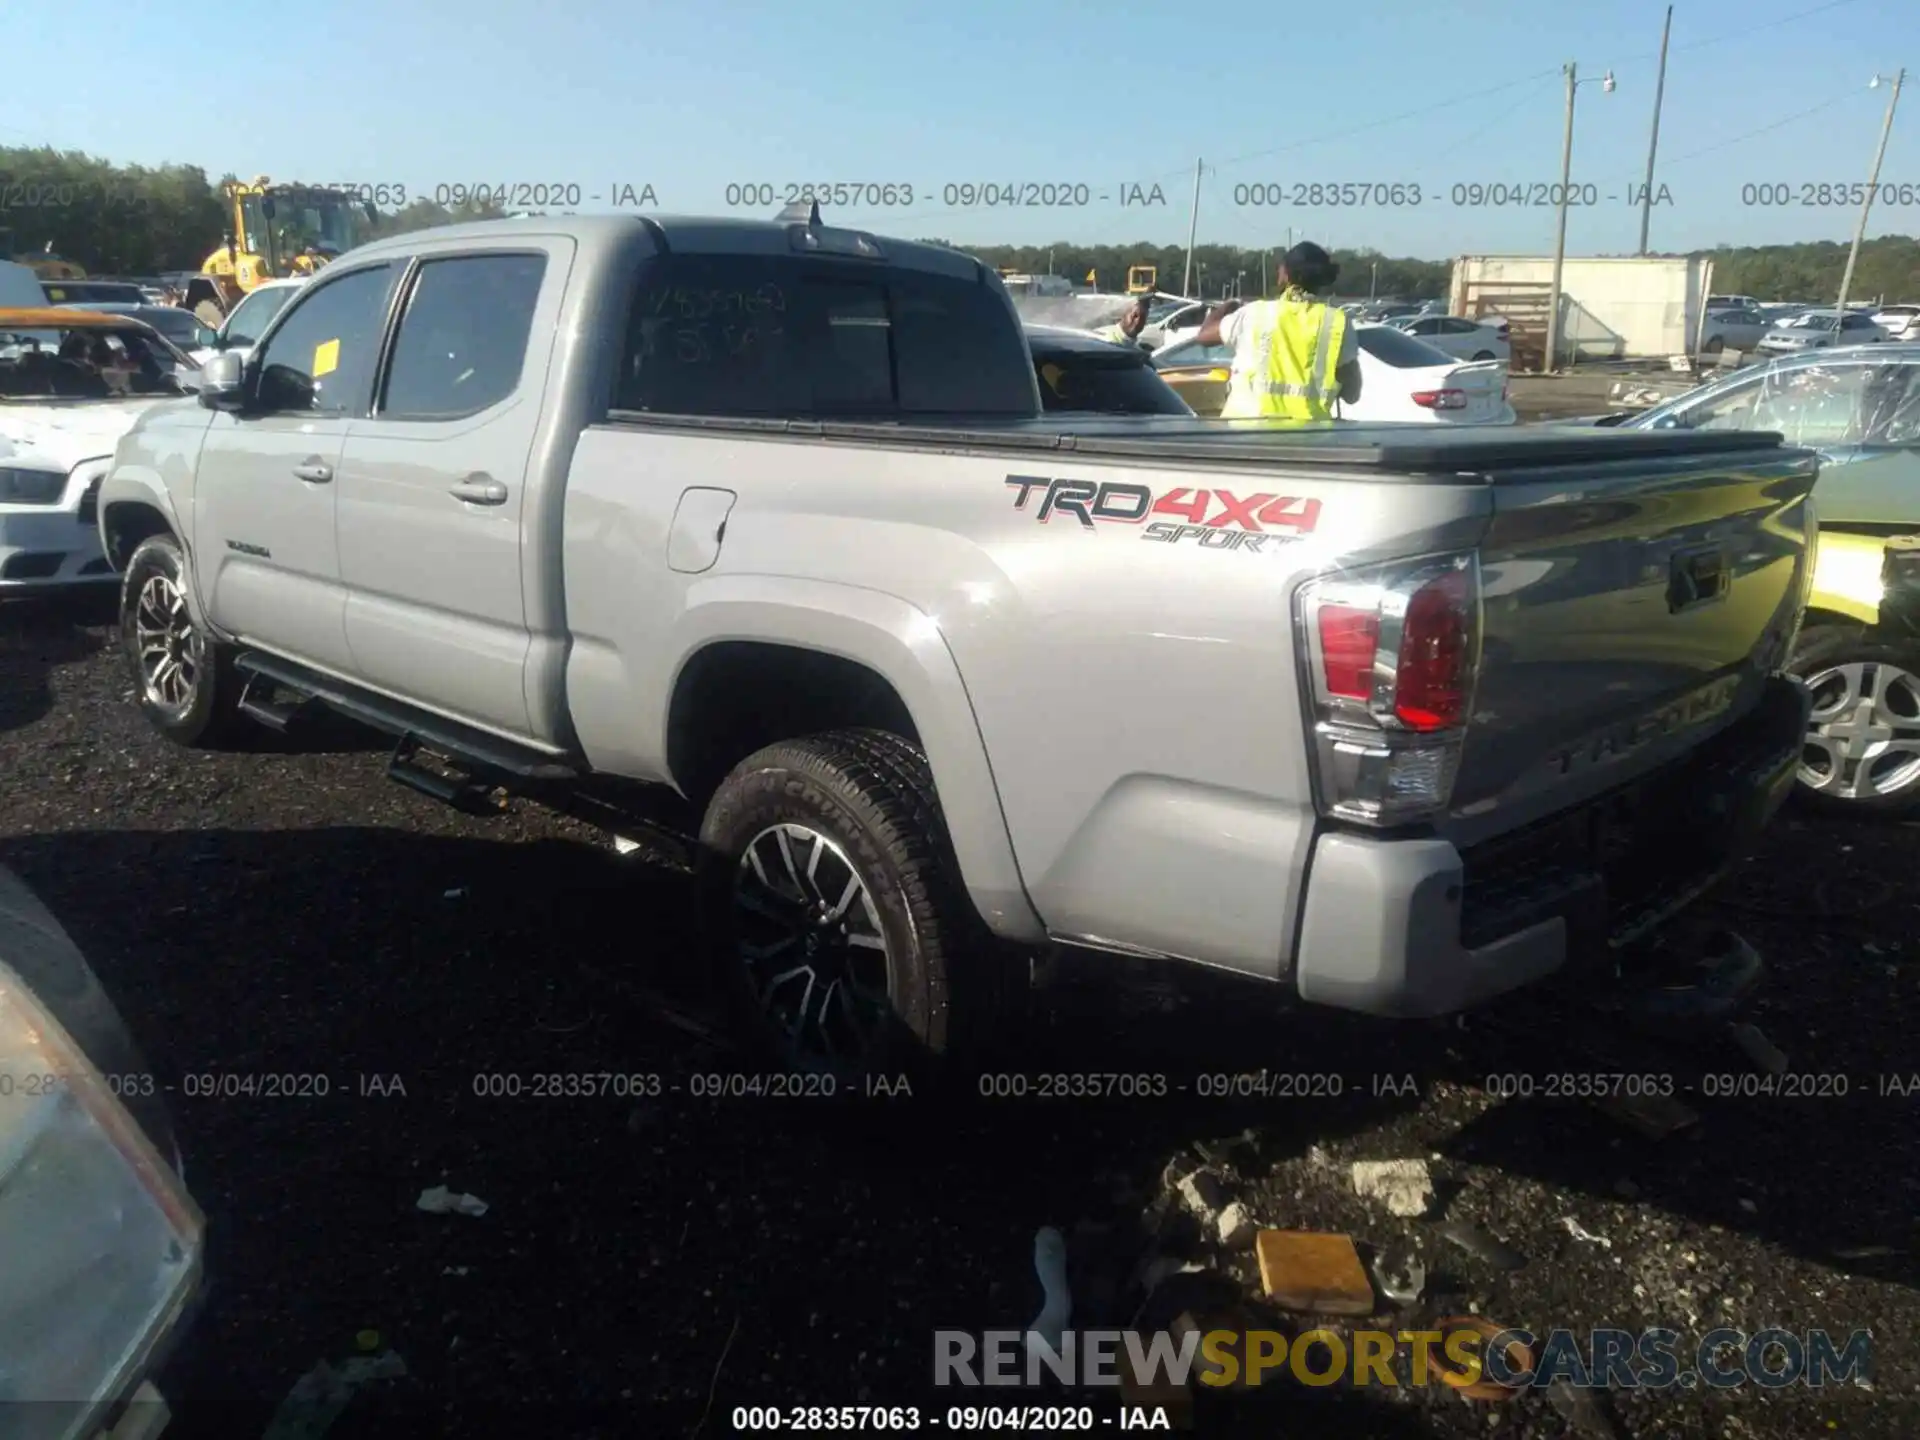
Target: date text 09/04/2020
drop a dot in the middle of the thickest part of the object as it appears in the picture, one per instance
(507, 194)
(1465, 195)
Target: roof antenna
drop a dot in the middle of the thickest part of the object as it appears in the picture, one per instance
(800, 212)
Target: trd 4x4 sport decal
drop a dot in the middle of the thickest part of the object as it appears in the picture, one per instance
(1217, 519)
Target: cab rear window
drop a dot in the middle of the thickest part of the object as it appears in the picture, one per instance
(774, 336)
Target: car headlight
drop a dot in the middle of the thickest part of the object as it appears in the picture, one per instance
(31, 487)
(101, 1243)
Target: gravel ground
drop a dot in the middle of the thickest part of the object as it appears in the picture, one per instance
(647, 1263)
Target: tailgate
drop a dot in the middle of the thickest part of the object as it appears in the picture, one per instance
(1631, 609)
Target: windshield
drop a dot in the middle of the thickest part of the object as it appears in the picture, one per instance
(1070, 381)
(252, 315)
(90, 363)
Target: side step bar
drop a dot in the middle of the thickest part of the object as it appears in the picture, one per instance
(483, 752)
(258, 704)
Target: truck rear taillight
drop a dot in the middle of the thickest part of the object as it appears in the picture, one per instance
(1435, 672)
(1440, 399)
(1392, 654)
(1349, 636)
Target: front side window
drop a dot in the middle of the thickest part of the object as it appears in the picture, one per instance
(463, 339)
(322, 356)
(252, 315)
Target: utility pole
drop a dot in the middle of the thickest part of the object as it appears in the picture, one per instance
(1049, 261)
(1653, 142)
(1873, 183)
(1193, 228)
(1373, 284)
(1266, 272)
(1560, 237)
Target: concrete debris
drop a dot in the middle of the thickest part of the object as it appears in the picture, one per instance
(1237, 1226)
(1314, 1273)
(1584, 1235)
(442, 1201)
(1584, 1410)
(1482, 1246)
(1765, 1056)
(318, 1397)
(1404, 1186)
(1399, 1273)
(1204, 1193)
(1654, 1116)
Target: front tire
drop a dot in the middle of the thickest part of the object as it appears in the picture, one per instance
(1485, 355)
(1862, 751)
(849, 943)
(183, 679)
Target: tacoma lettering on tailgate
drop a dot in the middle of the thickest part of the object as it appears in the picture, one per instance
(1630, 735)
(1216, 519)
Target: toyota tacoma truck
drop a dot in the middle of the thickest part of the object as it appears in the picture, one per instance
(756, 531)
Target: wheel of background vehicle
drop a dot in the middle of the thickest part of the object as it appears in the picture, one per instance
(183, 680)
(847, 939)
(1862, 752)
(1484, 355)
(1714, 345)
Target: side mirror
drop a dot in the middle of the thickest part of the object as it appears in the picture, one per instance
(223, 383)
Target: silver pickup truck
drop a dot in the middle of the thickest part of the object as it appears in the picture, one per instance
(760, 525)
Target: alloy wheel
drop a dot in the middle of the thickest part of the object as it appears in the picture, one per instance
(169, 645)
(812, 945)
(1863, 737)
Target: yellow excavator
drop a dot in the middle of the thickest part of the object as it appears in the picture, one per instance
(277, 231)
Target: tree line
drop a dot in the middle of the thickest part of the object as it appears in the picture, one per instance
(140, 220)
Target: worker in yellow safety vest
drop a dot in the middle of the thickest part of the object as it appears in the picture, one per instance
(1294, 357)
(1126, 331)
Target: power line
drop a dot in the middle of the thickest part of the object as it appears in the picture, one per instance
(1764, 129)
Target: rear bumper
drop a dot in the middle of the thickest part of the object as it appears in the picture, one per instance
(1416, 928)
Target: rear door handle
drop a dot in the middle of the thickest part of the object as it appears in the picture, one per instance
(314, 470)
(480, 490)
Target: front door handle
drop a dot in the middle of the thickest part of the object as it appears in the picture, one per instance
(480, 490)
(314, 470)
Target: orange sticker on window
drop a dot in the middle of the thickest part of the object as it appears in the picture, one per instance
(326, 358)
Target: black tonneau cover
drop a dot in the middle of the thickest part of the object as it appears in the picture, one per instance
(1415, 448)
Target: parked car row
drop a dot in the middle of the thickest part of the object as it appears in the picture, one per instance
(1858, 408)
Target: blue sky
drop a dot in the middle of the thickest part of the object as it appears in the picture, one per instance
(691, 98)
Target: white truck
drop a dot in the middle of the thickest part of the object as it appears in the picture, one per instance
(759, 529)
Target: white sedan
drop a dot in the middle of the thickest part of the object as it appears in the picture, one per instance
(1402, 380)
(1820, 330)
(1461, 338)
(1901, 322)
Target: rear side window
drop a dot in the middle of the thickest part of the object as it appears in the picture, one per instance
(1399, 349)
(463, 338)
(1076, 382)
(760, 335)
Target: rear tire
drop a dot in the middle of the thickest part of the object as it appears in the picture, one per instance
(1485, 355)
(183, 679)
(1862, 752)
(849, 944)
(1715, 344)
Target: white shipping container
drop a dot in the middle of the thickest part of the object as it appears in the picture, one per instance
(1626, 308)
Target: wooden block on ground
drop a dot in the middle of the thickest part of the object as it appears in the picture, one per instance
(1313, 1272)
